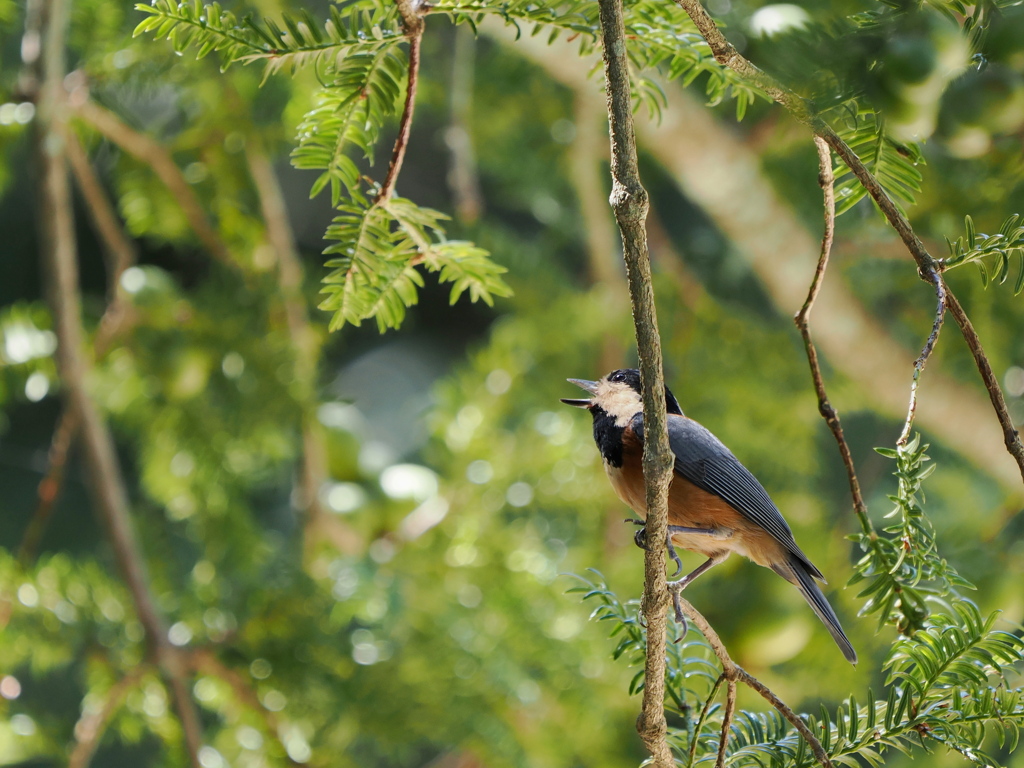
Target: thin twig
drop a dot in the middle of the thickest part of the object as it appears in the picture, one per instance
(117, 246)
(826, 179)
(414, 24)
(50, 485)
(733, 672)
(629, 201)
(1011, 437)
(121, 254)
(703, 717)
(730, 710)
(922, 359)
(90, 726)
(728, 56)
(59, 256)
(155, 155)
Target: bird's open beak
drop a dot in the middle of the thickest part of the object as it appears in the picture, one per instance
(590, 386)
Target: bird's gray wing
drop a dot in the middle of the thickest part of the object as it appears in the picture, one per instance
(704, 460)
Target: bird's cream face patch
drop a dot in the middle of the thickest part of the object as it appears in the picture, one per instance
(618, 400)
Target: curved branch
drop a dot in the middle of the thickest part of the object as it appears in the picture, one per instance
(926, 352)
(734, 673)
(826, 179)
(414, 23)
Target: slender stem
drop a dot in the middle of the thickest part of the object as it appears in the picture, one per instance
(629, 201)
(730, 710)
(703, 717)
(91, 725)
(149, 151)
(826, 179)
(414, 24)
(733, 672)
(922, 359)
(50, 485)
(728, 56)
(59, 252)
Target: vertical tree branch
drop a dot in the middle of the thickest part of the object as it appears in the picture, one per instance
(926, 352)
(630, 203)
(826, 179)
(59, 256)
(727, 715)
(412, 20)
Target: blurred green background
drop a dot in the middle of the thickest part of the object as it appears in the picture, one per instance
(415, 611)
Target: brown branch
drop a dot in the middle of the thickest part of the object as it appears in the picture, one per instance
(50, 485)
(728, 56)
(411, 12)
(732, 673)
(117, 246)
(629, 201)
(703, 717)
(151, 152)
(121, 254)
(922, 359)
(730, 710)
(1010, 435)
(59, 256)
(826, 179)
(90, 726)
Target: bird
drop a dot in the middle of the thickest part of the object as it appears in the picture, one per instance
(715, 506)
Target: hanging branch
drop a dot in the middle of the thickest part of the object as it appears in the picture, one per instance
(121, 254)
(826, 179)
(728, 56)
(411, 12)
(630, 203)
(922, 359)
(47, 23)
(50, 485)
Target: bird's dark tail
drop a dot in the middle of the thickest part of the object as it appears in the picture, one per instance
(794, 571)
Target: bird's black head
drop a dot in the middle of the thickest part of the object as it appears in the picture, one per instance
(619, 395)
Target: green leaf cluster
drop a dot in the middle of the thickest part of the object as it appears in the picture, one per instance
(976, 248)
(904, 568)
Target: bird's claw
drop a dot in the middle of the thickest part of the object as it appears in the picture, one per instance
(640, 538)
(675, 589)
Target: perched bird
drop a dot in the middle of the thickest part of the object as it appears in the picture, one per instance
(715, 505)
